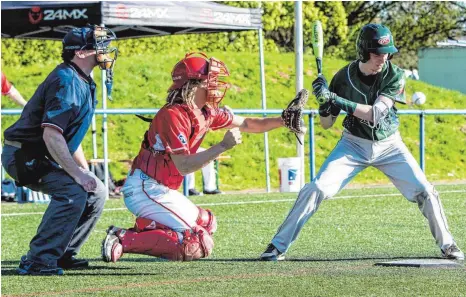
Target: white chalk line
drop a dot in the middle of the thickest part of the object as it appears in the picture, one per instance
(247, 202)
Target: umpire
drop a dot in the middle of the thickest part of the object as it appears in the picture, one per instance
(42, 151)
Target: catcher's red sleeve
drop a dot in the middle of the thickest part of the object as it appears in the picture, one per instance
(222, 118)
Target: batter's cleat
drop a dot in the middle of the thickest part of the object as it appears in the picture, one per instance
(453, 252)
(112, 250)
(28, 267)
(272, 254)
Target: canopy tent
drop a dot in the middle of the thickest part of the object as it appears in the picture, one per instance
(52, 20)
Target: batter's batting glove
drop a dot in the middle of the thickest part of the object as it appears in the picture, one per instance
(324, 109)
(321, 91)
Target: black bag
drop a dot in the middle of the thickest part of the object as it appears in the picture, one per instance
(8, 189)
(30, 168)
(99, 171)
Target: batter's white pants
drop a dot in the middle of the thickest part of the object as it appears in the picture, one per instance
(352, 155)
(146, 198)
(208, 174)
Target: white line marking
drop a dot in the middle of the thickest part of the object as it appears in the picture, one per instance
(246, 202)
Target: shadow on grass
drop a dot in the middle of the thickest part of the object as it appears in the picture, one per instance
(356, 259)
(93, 270)
(160, 260)
(318, 260)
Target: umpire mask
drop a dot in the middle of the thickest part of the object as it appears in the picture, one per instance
(98, 38)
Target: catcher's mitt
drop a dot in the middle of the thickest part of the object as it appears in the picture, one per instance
(292, 115)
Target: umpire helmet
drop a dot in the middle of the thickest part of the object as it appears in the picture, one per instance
(91, 37)
(374, 38)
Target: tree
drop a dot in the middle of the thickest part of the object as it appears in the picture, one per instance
(414, 24)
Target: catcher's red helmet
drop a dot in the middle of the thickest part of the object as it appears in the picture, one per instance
(199, 66)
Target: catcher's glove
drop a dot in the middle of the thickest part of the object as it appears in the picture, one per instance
(292, 115)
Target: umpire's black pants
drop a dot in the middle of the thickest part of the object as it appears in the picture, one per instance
(69, 218)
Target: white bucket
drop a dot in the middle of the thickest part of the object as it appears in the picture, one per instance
(289, 173)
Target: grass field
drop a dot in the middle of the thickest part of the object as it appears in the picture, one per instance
(334, 255)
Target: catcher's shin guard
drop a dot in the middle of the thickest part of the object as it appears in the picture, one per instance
(207, 220)
(165, 243)
(143, 224)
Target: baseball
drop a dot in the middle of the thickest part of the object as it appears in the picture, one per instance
(419, 98)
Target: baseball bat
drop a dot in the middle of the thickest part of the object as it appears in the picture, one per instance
(318, 48)
(318, 44)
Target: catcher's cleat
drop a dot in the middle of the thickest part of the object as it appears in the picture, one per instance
(272, 254)
(112, 250)
(453, 252)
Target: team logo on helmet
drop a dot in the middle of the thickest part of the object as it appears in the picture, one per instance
(35, 15)
(384, 40)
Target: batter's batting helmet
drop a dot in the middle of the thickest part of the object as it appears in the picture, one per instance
(374, 38)
(199, 66)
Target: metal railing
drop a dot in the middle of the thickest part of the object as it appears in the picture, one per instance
(311, 131)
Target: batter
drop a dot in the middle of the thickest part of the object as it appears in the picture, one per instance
(367, 90)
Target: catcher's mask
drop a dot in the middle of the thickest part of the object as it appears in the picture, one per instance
(98, 38)
(199, 66)
(377, 39)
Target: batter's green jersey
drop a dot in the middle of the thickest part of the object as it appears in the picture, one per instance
(389, 82)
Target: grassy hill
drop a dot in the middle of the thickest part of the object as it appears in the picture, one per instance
(141, 82)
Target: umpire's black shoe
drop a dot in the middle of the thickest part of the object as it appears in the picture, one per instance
(214, 192)
(72, 263)
(272, 254)
(28, 267)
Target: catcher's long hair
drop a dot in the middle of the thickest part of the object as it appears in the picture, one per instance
(185, 94)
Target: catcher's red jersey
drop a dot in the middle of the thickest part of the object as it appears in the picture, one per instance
(176, 129)
(6, 85)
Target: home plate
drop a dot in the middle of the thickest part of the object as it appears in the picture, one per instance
(429, 263)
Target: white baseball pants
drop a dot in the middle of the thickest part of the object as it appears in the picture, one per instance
(352, 155)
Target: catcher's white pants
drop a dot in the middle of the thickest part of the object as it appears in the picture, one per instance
(146, 198)
(352, 155)
(208, 174)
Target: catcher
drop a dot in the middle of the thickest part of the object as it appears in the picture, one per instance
(168, 224)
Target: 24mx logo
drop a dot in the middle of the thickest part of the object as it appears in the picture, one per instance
(63, 14)
(147, 13)
(231, 18)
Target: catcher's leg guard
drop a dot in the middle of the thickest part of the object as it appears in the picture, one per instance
(165, 243)
(207, 220)
(143, 224)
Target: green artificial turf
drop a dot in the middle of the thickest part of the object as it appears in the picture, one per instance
(333, 256)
